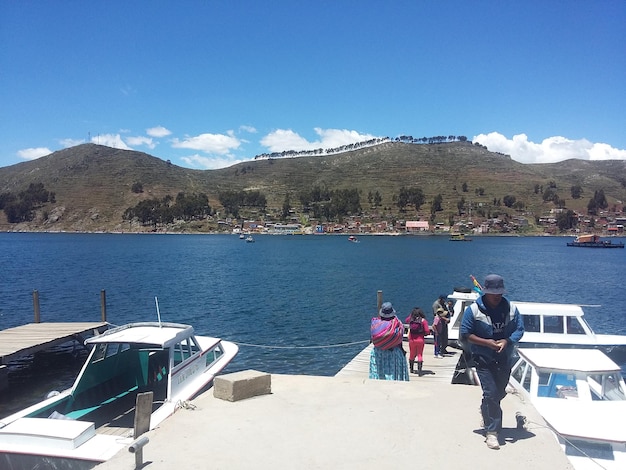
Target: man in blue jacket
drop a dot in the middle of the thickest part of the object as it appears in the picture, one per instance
(493, 327)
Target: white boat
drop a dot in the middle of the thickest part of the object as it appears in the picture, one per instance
(249, 239)
(546, 325)
(581, 395)
(91, 421)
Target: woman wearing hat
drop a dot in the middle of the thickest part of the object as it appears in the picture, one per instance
(387, 360)
(493, 327)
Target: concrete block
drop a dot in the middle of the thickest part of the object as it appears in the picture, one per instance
(241, 385)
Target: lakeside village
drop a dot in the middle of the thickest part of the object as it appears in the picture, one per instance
(605, 224)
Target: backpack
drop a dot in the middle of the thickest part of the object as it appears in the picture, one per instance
(416, 327)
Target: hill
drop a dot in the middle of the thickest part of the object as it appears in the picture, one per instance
(93, 185)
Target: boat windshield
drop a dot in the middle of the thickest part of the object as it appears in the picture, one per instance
(606, 387)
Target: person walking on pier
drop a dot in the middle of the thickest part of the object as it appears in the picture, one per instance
(440, 310)
(387, 359)
(418, 328)
(493, 326)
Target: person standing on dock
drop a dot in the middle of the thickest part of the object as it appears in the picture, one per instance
(387, 359)
(418, 328)
(440, 310)
(493, 326)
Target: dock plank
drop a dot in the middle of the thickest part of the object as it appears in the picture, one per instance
(28, 339)
(434, 369)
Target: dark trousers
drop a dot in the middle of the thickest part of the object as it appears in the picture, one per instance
(494, 377)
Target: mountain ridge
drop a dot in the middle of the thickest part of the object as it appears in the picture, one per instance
(93, 184)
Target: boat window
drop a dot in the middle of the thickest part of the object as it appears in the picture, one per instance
(531, 323)
(184, 350)
(574, 327)
(112, 349)
(214, 354)
(612, 387)
(100, 352)
(527, 377)
(518, 372)
(552, 324)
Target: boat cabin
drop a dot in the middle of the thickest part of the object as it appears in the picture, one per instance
(569, 374)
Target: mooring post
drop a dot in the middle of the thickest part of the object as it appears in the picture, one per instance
(136, 447)
(103, 305)
(36, 306)
(379, 301)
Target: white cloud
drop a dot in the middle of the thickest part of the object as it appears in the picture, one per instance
(71, 142)
(209, 163)
(209, 143)
(248, 129)
(158, 131)
(550, 150)
(33, 153)
(286, 139)
(141, 140)
(110, 140)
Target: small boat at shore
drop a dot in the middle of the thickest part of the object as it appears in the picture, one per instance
(90, 422)
(249, 239)
(581, 395)
(593, 241)
(546, 325)
(459, 237)
(353, 239)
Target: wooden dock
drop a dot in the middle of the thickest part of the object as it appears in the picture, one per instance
(434, 369)
(28, 339)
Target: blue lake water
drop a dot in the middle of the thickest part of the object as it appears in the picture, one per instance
(298, 296)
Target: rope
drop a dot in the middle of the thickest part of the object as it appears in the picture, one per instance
(185, 404)
(302, 347)
(527, 421)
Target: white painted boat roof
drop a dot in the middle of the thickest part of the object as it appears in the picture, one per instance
(569, 359)
(538, 308)
(529, 308)
(151, 333)
(595, 420)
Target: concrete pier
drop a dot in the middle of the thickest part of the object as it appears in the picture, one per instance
(347, 422)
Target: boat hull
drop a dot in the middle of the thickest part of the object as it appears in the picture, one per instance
(95, 419)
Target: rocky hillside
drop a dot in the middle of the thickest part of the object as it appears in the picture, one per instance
(93, 185)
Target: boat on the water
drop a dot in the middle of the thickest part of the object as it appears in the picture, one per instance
(459, 237)
(249, 239)
(581, 395)
(546, 325)
(90, 422)
(594, 241)
(353, 239)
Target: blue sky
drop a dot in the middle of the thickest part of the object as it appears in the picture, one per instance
(207, 84)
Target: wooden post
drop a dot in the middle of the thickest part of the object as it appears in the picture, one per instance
(103, 305)
(379, 301)
(36, 306)
(143, 410)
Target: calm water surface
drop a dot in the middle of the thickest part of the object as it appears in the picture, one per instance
(290, 294)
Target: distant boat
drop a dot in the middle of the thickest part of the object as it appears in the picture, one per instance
(593, 241)
(241, 236)
(353, 239)
(459, 237)
(249, 239)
